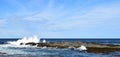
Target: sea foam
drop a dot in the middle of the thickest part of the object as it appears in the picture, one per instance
(24, 40)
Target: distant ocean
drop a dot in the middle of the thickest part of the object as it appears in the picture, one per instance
(40, 52)
(101, 41)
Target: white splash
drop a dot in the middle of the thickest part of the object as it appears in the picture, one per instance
(81, 48)
(44, 41)
(24, 40)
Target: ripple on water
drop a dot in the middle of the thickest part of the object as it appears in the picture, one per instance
(38, 52)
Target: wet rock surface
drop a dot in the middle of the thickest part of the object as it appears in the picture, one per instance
(102, 49)
(91, 47)
(2, 53)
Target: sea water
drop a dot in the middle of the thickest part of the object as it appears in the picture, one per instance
(28, 51)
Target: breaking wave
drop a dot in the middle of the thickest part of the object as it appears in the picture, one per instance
(24, 40)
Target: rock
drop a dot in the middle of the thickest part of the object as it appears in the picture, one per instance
(51, 45)
(31, 43)
(102, 50)
(2, 53)
(21, 43)
(89, 47)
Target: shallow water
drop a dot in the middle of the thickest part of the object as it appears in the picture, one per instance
(49, 52)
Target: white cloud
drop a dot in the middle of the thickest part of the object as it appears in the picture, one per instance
(59, 18)
(96, 17)
(104, 12)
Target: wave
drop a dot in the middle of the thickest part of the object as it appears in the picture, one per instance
(24, 40)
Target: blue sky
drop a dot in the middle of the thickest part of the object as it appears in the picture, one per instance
(60, 18)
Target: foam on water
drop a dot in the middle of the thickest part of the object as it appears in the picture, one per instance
(34, 39)
(24, 40)
(82, 47)
(16, 44)
(44, 41)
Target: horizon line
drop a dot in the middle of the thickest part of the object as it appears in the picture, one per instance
(58, 38)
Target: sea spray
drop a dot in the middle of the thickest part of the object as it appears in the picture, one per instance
(24, 40)
(44, 41)
(82, 48)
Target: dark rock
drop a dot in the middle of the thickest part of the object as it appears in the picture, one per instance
(102, 50)
(91, 47)
(31, 43)
(21, 43)
(2, 53)
(51, 45)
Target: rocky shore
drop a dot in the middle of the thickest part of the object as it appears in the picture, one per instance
(2, 53)
(91, 47)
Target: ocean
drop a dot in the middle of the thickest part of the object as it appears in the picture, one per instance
(6, 50)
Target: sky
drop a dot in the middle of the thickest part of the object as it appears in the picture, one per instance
(60, 18)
